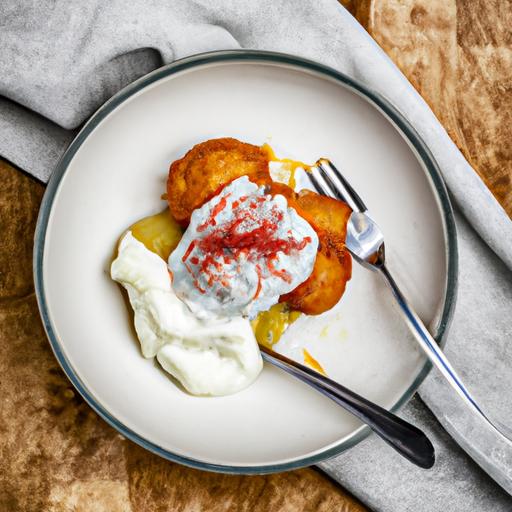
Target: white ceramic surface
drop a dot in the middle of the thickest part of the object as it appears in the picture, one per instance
(117, 176)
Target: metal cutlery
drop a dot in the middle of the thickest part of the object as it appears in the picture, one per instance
(405, 438)
(365, 242)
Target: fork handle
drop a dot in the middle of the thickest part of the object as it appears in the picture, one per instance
(433, 351)
(405, 438)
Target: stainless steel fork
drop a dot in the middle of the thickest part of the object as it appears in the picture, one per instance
(365, 242)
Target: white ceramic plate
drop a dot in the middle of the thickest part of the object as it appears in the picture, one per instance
(114, 173)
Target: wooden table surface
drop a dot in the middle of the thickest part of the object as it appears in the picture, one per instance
(56, 454)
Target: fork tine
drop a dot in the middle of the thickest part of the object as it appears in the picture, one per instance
(343, 190)
(320, 183)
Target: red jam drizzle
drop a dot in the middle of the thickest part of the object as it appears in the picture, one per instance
(216, 210)
(227, 243)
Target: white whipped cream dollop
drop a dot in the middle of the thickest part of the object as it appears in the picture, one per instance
(218, 357)
(241, 251)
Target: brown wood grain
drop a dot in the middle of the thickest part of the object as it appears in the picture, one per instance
(458, 55)
(57, 455)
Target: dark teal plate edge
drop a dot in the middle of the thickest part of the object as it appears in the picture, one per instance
(255, 56)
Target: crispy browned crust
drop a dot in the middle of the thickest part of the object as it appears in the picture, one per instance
(209, 166)
(326, 215)
(326, 284)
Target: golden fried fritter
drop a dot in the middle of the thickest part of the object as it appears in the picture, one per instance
(326, 284)
(333, 264)
(326, 215)
(207, 167)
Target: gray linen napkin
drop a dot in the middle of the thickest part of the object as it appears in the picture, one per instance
(60, 60)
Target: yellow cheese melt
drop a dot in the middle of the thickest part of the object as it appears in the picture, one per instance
(160, 233)
(312, 362)
(270, 325)
(288, 164)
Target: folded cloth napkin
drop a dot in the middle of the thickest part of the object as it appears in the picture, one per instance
(60, 60)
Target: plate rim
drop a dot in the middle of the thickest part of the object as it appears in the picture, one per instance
(256, 56)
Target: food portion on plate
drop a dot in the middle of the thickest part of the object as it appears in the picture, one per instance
(236, 258)
(243, 250)
(216, 357)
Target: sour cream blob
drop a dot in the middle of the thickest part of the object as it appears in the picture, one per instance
(241, 251)
(218, 357)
